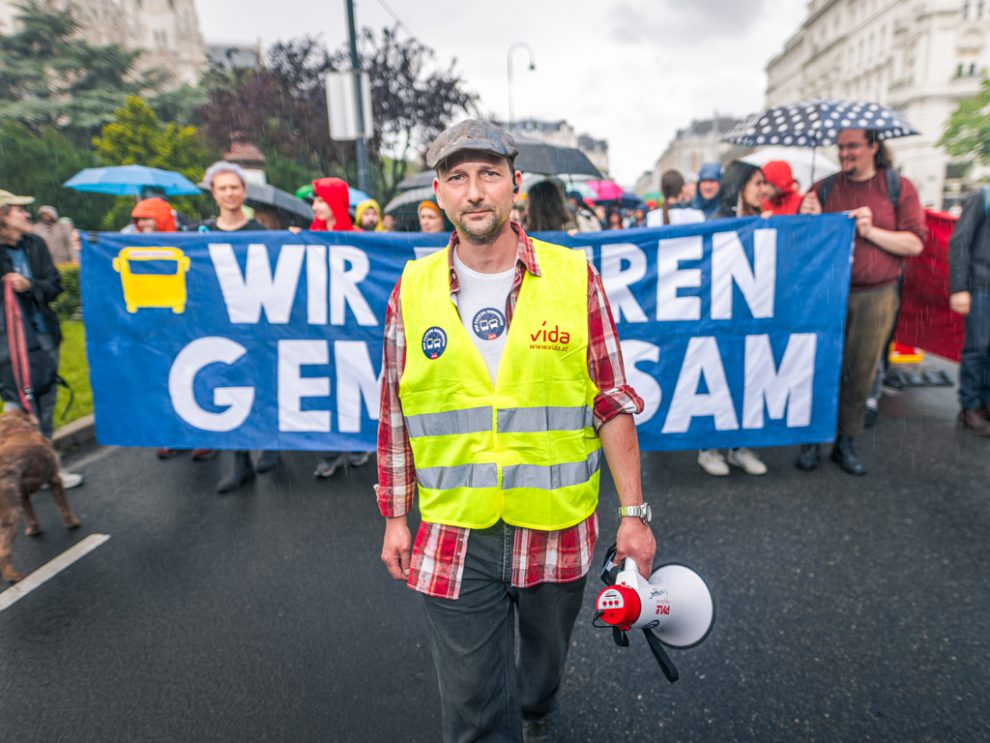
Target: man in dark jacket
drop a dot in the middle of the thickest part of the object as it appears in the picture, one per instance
(969, 287)
(27, 265)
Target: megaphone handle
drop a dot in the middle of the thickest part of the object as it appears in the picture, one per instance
(666, 664)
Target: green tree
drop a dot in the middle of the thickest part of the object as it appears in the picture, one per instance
(967, 133)
(49, 76)
(136, 136)
(38, 161)
(282, 107)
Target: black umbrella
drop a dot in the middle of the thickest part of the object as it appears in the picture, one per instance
(817, 123)
(404, 208)
(264, 194)
(421, 179)
(534, 157)
(550, 159)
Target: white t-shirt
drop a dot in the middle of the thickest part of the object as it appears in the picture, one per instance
(481, 306)
(685, 215)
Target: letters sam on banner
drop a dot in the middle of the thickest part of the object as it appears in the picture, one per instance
(731, 332)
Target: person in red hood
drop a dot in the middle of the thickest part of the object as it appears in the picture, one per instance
(153, 215)
(331, 200)
(784, 198)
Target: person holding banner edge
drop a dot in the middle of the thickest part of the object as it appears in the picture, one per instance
(740, 194)
(890, 227)
(469, 421)
(26, 263)
(228, 184)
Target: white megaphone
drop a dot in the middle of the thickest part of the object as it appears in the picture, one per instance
(674, 607)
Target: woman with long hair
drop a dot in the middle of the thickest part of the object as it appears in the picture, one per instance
(546, 210)
(742, 190)
(672, 189)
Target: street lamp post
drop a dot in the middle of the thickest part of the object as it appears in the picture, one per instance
(508, 62)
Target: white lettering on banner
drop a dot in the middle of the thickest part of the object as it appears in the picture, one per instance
(293, 387)
(646, 385)
(190, 361)
(670, 278)
(757, 283)
(246, 294)
(617, 279)
(702, 358)
(790, 386)
(344, 285)
(356, 382)
(316, 284)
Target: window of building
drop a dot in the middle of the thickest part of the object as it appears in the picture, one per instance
(965, 10)
(979, 8)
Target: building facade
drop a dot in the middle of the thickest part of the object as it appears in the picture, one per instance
(698, 143)
(166, 32)
(920, 57)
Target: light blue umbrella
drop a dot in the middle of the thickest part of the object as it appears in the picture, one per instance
(131, 180)
(356, 196)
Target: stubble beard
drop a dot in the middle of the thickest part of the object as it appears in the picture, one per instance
(484, 233)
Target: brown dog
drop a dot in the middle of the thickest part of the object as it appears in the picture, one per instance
(27, 462)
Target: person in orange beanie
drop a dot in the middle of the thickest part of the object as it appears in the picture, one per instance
(784, 198)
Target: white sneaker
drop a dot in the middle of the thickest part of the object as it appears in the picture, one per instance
(747, 461)
(712, 462)
(328, 467)
(358, 458)
(70, 479)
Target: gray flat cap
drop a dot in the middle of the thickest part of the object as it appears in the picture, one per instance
(474, 135)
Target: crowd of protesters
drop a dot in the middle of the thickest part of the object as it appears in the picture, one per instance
(889, 229)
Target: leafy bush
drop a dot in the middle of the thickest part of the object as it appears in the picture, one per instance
(68, 306)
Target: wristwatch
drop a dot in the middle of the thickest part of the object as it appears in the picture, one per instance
(642, 512)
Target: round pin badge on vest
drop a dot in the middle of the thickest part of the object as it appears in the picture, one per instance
(488, 323)
(434, 342)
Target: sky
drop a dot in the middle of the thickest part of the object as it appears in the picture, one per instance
(631, 72)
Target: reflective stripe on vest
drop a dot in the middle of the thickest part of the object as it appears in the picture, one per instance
(459, 476)
(533, 420)
(450, 422)
(551, 477)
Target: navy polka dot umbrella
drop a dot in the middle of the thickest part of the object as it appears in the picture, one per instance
(817, 123)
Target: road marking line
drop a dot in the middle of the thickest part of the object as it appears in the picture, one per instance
(50, 569)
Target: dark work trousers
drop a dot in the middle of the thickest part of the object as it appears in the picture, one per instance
(45, 402)
(484, 693)
(974, 368)
(869, 318)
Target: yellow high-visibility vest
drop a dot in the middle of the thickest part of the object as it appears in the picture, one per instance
(525, 449)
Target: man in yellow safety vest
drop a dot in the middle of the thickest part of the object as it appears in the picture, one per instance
(502, 385)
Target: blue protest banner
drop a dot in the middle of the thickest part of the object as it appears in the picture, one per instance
(731, 331)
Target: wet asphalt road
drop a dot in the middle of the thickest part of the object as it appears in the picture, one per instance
(849, 609)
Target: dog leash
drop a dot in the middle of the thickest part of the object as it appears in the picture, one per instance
(17, 344)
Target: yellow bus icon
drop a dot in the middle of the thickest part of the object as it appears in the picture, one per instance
(153, 289)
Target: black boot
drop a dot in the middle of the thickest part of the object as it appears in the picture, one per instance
(844, 454)
(240, 471)
(267, 460)
(807, 459)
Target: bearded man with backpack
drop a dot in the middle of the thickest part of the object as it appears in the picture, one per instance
(890, 226)
(27, 265)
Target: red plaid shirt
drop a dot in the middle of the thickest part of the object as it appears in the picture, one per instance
(537, 556)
